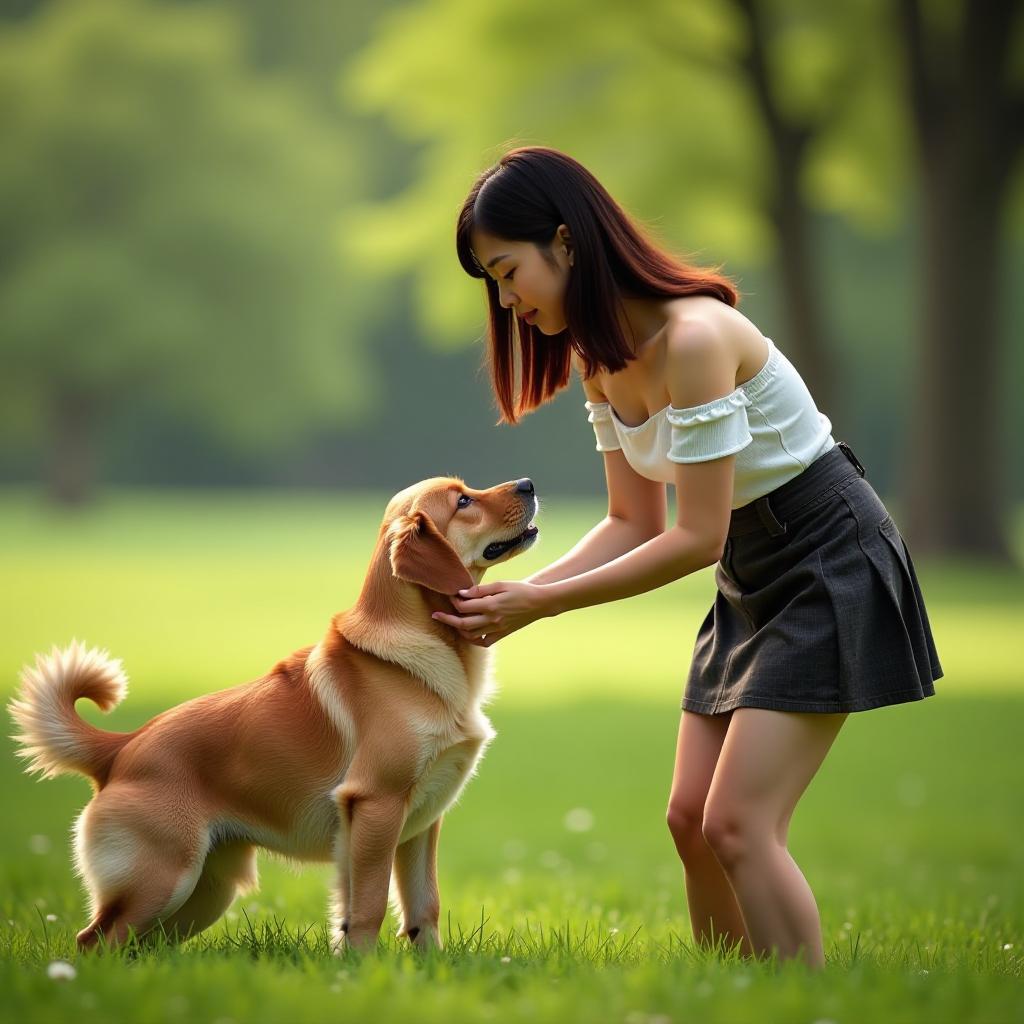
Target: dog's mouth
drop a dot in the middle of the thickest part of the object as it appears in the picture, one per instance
(503, 547)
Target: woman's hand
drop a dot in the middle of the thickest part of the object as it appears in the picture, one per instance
(491, 611)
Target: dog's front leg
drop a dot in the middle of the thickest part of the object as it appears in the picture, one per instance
(344, 879)
(371, 825)
(416, 878)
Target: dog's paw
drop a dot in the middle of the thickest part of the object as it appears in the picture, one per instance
(426, 937)
(340, 945)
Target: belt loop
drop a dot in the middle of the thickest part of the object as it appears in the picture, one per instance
(767, 517)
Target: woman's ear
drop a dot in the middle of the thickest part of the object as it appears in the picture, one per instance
(420, 554)
(564, 240)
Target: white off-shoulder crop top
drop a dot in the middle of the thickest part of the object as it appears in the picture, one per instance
(770, 423)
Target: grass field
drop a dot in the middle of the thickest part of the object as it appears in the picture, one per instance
(562, 895)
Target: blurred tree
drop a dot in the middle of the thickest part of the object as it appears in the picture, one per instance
(168, 229)
(965, 77)
(730, 119)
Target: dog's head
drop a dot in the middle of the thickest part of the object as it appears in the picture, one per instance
(443, 535)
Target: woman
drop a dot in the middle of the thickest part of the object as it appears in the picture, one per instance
(818, 612)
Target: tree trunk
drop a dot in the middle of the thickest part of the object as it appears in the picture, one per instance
(72, 461)
(807, 342)
(957, 496)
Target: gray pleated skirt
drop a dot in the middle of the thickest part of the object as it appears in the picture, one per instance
(818, 606)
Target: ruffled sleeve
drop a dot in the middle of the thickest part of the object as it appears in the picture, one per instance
(710, 431)
(604, 429)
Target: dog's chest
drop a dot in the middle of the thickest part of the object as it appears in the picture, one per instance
(443, 778)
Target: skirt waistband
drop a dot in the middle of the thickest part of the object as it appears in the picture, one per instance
(820, 478)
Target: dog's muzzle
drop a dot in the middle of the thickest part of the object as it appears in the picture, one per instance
(502, 547)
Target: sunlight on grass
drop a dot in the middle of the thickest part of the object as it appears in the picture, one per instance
(562, 895)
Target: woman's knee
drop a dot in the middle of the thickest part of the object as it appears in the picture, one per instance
(732, 831)
(685, 816)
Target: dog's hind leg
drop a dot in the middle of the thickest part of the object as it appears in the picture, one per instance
(138, 903)
(136, 872)
(228, 870)
(416, 879)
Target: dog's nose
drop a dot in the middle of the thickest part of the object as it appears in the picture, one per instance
(525, 485)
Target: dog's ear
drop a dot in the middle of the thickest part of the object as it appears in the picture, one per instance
(420, 554)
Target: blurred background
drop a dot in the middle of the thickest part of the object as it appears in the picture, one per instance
(232, 324)
(226, 231)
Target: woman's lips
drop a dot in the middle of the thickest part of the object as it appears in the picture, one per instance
(530, 317)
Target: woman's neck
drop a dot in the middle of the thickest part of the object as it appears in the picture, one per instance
(642, 319)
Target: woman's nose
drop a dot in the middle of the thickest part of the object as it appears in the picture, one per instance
(506, 297)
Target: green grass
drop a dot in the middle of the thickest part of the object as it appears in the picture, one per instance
(908, 835)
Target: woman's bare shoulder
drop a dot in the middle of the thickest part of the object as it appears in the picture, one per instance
(711, 338)
(592, 386)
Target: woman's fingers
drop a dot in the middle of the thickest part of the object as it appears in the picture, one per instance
(463, 623)
(483, 590)
(471, 605)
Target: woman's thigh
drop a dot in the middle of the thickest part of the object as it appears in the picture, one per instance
(766, 763)
(697, 751)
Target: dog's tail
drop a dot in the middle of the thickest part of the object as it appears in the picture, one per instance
(53, 738)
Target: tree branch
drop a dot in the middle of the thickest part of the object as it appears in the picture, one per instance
(669, 47)
(924, 91)
(788, 139)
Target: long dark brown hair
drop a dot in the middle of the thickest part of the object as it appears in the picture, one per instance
(524, 197)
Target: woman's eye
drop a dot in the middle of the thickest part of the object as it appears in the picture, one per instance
(464, 501)
(508, 276)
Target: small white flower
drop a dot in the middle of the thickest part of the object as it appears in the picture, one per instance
(51, 917)
(579, 819)
(613, 931)
(912, 790)
(514, 849)
(61, 970)
(1007, 945)
(40, 845)
(550, 859)
(506, 959)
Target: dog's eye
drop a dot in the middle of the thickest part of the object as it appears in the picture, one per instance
(464, 501)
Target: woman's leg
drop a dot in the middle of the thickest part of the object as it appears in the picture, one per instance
(767, 761)
(713, 910)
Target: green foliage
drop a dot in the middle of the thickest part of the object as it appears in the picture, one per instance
(660, 104)
(167, 226)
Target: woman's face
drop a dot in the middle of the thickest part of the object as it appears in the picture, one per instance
(528, 283)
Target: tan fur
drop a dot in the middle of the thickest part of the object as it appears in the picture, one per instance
(349, 750)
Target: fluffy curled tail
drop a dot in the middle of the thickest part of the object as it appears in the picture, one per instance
(53, 738)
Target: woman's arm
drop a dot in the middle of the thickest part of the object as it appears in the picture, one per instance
(636, 513)
(699, 368)
(693, 542)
